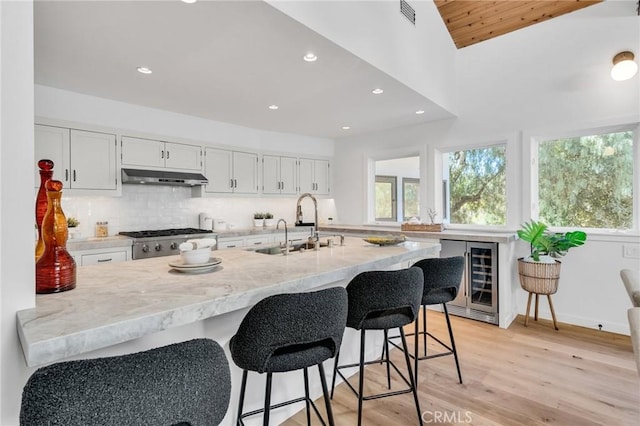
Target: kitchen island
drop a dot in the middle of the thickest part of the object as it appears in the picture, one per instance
(116, 303)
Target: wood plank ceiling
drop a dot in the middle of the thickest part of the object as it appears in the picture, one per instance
(472, 21)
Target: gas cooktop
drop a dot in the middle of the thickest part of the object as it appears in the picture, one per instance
(165, 232)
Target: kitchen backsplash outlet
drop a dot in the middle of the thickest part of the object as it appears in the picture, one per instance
(160, 207)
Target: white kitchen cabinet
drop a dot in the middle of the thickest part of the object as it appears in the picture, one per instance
(313, 176)
(231, 171)
(100, 256)
(228, 243)
(263, 240)
(278, 175)
(82, 159)
(158, 154)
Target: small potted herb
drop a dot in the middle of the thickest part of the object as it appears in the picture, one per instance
(72, 224)
(269, 221)
(258, 220)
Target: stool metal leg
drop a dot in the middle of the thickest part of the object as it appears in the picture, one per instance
(415, 347)
(411, 379)
(325, 394)
(361, 378)
(267, 401)
(335, 371)
(535, 318)
(424, 329)
(306, 395)
(386, 346)
(243, 388)
(453, 343)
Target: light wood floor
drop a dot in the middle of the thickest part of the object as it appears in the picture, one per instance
(519, 376)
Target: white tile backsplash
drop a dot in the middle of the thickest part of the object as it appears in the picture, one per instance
(159, 207)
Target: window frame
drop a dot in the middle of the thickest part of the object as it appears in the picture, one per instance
(531, 207)
(393, 180)
(511, 185)
(406, 180)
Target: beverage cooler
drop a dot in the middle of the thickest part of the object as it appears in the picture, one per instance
(478, 295)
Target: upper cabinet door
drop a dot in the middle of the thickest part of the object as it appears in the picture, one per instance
(180, 156)
(245, 172)
(93, 160)
(142, 152)
(52, 143)
(321, 173)
(306, 181)
(270, 174)
(218, 170)
(288, 168)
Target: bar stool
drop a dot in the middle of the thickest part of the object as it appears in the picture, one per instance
(382, 300)
(442, 277)
(289, 332)
(182, 383)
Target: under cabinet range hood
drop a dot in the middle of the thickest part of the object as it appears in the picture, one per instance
(161, 177)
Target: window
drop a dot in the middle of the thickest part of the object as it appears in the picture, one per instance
(410, 198)
(386, 198)
(475, 186)
(586, 181)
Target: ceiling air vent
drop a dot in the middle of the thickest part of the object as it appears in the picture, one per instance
(408, 11)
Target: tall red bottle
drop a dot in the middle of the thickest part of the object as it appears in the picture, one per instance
(56, 269)
(46, 173)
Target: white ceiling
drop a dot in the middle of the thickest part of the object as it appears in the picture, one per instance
(225, 61)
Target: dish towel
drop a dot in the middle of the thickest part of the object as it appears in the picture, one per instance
(198, 244)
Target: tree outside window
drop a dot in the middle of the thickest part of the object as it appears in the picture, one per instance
(587, 181)
(476, 186)
(410, 198)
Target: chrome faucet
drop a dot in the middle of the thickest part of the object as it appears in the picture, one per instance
(286, 236)
(316, 235)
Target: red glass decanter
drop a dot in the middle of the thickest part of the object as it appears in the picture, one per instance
(46, 173)
(56, 269)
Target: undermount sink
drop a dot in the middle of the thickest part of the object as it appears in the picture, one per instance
(296, 247)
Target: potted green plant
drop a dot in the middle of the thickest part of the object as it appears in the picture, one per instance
(258, 220)
(269, 220)
(540, 272)
(72, 224)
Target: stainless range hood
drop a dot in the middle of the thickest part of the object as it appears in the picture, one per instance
(158, 177)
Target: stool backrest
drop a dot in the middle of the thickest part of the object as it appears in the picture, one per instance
(287, 320)
(444, 273)
(377, 292)
(182, 383)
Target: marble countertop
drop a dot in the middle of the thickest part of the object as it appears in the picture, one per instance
(245, 232)
(99, 243)
(115, 303)
(447, 234)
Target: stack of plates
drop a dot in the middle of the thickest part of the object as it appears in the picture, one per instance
(180, 266)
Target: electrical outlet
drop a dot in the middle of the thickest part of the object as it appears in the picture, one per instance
(631, 251)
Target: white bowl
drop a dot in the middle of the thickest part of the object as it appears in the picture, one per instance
(197, 256)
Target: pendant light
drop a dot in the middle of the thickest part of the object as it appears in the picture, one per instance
(624, 66)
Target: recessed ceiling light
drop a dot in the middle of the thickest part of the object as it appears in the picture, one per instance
(377, 91)
(310, 57)
(273, 106)
(346, 128)
(144, 70)
(189, 1)
(419, 111)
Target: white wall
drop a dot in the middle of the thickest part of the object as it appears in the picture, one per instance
(420, 56)
(531, 82)
(17, 283)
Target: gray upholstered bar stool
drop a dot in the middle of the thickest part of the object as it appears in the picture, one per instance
(179, 384)
(289, 332)
(382, 300)
(442, 277)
